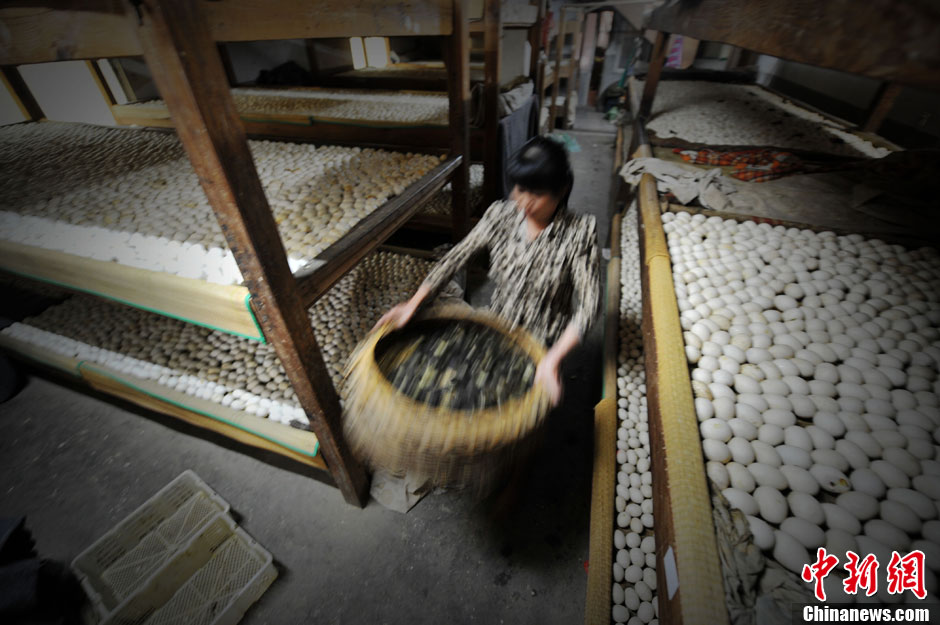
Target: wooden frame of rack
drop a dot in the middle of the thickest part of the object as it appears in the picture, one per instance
(484, 146)
(562, 70)
(881, 40)
(178, 40)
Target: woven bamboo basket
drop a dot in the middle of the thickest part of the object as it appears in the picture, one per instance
(389, 430)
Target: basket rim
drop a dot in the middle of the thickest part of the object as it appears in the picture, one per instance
(502, 421)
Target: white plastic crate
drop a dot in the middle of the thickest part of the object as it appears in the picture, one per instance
(125, 558)
(213, 581)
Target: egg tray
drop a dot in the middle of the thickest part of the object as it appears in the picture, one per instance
(387, 429)
(715, 113)
(115, 566)
(372, 108)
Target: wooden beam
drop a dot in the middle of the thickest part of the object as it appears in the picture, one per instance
(881, 106)
(254, 20)
(575, 64)
(536, 69)
(556, 85)
(181, 54)
(40, 31)
(457, 57)
(883, 39)
(13, 81)
(652, 75)
(227, 64)
(315, 279)
(118, 68)
(492, 50)
(102, 85)
(688, 571)
(217, 306)
(37, 32)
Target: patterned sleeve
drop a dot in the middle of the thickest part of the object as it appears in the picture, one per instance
(585, 274)
(477, 239)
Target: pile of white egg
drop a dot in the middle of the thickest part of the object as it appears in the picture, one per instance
(714, 113)
(634, 585)
(229, 370)
(376, 105)
(814, 362)
(440, 204)
(132, 197)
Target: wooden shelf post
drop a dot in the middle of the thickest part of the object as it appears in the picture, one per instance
(575, 68)
(21, 93)
(185, 64)
(559, 49)
(881, 106)
(457, 58)
(492, 51)
(652, 75)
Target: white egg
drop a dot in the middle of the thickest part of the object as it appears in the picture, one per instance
(771, 504)
(901, 516)
(806, 533)
(789, 552)
(763, 533)
(838, 542)
(838, 517)
(741, 500)
(860, 505)
(918, 502)
(892, 476)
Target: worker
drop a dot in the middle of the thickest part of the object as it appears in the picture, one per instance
(543, 259)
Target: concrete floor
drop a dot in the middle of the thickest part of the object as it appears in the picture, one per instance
(76, 463)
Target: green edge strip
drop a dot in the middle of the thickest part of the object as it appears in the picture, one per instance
(72, 287)
(303, 452)
(251, 313)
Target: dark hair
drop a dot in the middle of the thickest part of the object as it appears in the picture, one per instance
(542, 165)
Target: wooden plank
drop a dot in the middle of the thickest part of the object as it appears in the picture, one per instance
(298, 445)
(881, 106)
(652, 75)
(575, 66)
(227, 64)
(492, 44)
(36, 354)
(255, 20)
(13, 81)
(315, 279)
(39, 31)
(884, 39)
(556, 82)
(218, 306)
(59, 30)
(118, 69)
(458, 93)
(301, 128)
(535, 45)
(181, 54)
(603, 483)
(685, 532)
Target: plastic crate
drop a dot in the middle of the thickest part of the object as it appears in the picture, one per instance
(213, 581)
(124, 559)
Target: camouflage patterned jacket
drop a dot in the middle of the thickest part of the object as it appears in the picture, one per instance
(541, 285)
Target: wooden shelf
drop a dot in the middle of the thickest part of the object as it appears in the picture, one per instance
(178, 40)
(220, 307)
(298, 445)
(881, 39)
(60, 29)
(217, 306)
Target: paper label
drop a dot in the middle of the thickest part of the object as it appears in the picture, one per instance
(672, 575)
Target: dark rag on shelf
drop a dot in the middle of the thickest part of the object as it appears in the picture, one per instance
(514, 130)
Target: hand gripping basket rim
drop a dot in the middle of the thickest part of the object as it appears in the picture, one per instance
(389, 430)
